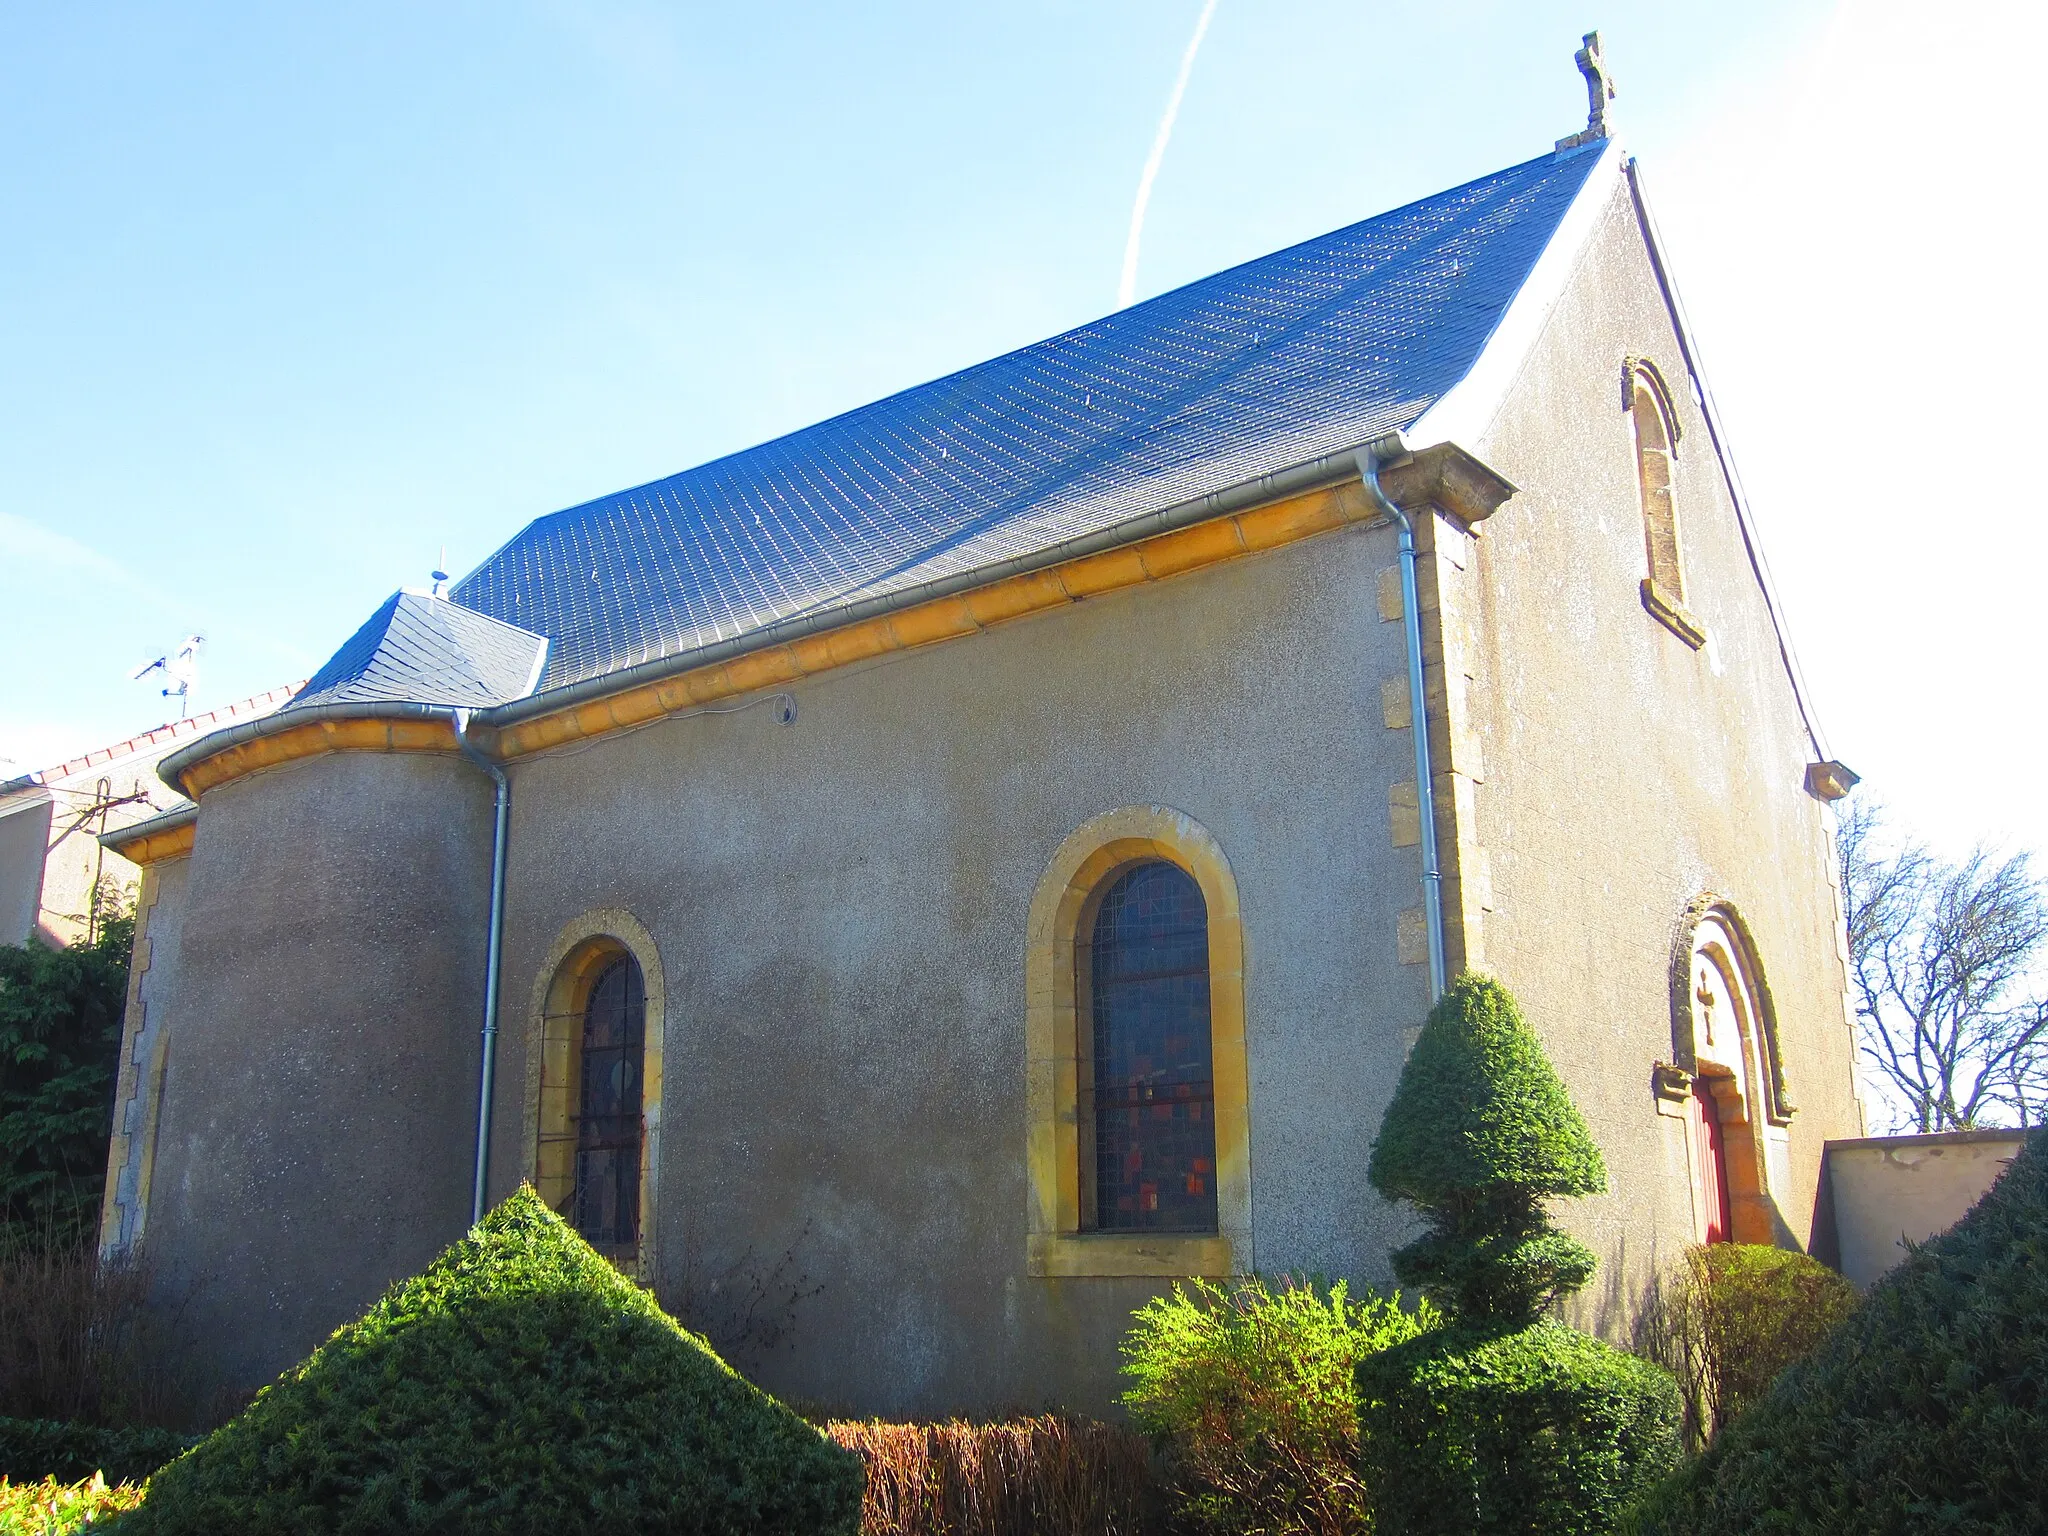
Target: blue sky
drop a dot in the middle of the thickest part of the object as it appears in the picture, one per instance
(290, 297)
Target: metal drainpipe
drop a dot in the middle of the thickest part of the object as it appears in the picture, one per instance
(1425, 786)
(497, 926)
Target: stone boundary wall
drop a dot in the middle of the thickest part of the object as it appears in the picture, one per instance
(1891, 1190)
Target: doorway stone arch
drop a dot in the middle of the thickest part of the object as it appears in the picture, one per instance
(1725, 1037)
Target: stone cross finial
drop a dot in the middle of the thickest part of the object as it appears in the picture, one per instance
(1599, 91)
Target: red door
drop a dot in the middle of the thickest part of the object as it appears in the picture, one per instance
(1709, 1163)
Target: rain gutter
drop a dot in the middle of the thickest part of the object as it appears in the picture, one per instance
(171, 770)
(1369, 460)
(118, 837)
(492, 945)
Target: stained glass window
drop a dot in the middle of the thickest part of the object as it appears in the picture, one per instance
(607, 1198)
(1153, 1081)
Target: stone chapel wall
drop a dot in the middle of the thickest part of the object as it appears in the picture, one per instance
(840, 906)
(315, 1134)
(1625, 775)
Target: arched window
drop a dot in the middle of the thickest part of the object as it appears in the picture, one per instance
(593, 1084)
(1137, 1088)
(606, 1204)
(1152, 1075)
(1656, 428)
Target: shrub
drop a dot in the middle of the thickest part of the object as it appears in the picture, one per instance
(1533, 1429)
(1252, 1390)
(1020, 1478)
(38, 1448)
(76, 1339)
(60, 1043)
(1479, 1135)
(1926, 1410)
(519, 1384)
(1736, 1316)
(1501, 1423)
(50, 1508)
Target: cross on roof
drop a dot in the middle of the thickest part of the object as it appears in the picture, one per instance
(1599, 91)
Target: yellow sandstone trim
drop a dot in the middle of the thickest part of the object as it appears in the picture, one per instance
(1065, 901)
(312, 739)
(155, 847)
(1444, 477)
(946, 618)
(1672, 614)
(152, 1114)
(120, 1142)
(554, 1070)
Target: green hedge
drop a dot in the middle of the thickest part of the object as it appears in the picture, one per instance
(520, 1384)
(33, 1449)
(1926, 1411)
(1484, 1432)
(1748, 1313)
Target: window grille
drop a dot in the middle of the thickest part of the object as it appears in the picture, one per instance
(1147, 996)
(606, 1203)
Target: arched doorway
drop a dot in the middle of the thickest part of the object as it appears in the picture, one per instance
(1736, 1118)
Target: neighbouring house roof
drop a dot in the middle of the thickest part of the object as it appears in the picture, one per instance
(425, 650)
(1316, 349)
(160, 739)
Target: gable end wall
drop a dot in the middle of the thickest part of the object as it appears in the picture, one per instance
(1612, 773)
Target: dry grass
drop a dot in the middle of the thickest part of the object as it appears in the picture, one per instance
(1043, 1476)
(75, 1337)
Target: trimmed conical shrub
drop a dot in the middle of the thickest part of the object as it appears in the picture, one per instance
(1502, 1422)
(1480, 1134)
(1927, 1410)
(519, 1384)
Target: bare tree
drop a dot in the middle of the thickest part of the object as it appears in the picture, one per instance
(1942, 957)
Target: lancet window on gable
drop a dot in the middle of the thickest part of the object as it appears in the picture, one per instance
(1655, 422)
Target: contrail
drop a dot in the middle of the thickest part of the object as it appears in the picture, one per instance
(1129, 285)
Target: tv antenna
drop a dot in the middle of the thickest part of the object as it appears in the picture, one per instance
(180, 669)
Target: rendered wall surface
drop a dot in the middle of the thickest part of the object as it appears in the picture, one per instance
(1892, 1190)
(24, 838)
(1625, 773)
(318, 1113)
(840, 906)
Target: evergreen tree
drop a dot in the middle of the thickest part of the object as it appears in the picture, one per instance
(60, 1046)
(1504, 1422)
(1481, 1134)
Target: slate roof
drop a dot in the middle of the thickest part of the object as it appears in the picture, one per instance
(423, 650)
(1317, 349)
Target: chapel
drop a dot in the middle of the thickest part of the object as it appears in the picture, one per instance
(912, 890)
